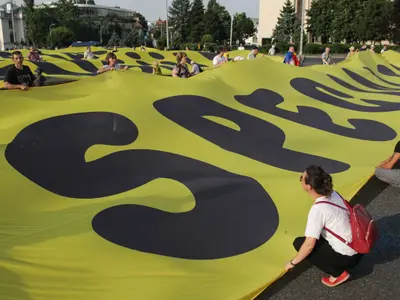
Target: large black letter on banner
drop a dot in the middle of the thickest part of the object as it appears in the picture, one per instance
(257, 139)
(233, 213)
(268, 101)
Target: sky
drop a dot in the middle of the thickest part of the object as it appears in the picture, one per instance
(153, 9)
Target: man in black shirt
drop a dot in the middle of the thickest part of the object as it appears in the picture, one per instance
(385, 171)
(18, 76)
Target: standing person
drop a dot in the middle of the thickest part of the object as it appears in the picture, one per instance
(253, 54)
(291, 57)
(219, 59)
(372, 49)
(33, 55)
(363, 48)
(18, 76)
(319, 246)
(112, 64)
(88, 53)
(326, 57)
(181, 70)
(384, 49)
(385, 171)
(272, 50)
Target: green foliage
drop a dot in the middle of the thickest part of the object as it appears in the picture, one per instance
(197, 21)
(61, 37)
(351, 21)
(243, 27)
(217, 22)
(395, 22)
(321, 16)
(179, 19)
(131, 39)
(114, 40)
(162, 43)
(287, 24)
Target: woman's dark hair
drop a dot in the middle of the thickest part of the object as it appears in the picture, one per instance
(110, 55)
(319, 180)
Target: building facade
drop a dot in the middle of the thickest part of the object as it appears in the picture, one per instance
(12, 26)
(269, 11)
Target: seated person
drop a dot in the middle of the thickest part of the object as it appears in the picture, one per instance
(219, 59)
(40, 79)
(18, 76)
(112, 65)
(156, 68)
(33, 55)
(319, 246)
(88, 54)
(196, 69)
(253, 54)
(181, 70)
(385, 170)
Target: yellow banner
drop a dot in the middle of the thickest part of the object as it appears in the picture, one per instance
(133, 186)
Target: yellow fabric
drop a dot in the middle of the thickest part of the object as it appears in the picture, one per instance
(48, 248)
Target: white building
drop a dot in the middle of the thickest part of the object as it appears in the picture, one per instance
(12, 26)
(253, 40)
(269, 11)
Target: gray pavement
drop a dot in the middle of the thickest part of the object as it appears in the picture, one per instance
(378, 274)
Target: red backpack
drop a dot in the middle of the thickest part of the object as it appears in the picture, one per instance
(363, 228)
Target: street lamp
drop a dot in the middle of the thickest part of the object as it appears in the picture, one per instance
(166, 27)
(302, 27)
(50, 27)
(231, 31)
(101, 34)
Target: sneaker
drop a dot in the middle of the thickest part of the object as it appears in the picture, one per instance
(341, 279)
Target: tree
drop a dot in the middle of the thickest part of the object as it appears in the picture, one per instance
(217, 21)
(287, 24)
(243, 27)
(131, 39)
(61, 36)
(321, 16)
(395, 22)
(179, 19)
(197, 21)
(374, 20)
(114, 40)
(142, 21)
(347, 17)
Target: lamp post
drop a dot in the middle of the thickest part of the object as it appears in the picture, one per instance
(231, 31)
(50, 27)
(166, 27)
(101, 34)
(302, 27)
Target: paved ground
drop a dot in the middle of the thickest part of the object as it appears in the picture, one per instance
(378, 274)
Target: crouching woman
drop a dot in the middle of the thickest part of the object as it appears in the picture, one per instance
(319, 246)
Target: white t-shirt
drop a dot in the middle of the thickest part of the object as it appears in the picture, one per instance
(88, 55)
(217, 60)
(333, 218)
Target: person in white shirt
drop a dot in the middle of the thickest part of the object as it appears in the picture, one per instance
(241, 48)
(319, 246)
(88, 53)
(219, 59)
(384, 49)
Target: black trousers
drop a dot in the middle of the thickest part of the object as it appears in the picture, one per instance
(328, 260)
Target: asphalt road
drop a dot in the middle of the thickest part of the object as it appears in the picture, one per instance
(378, 274)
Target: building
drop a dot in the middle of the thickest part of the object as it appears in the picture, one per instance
(12, 26)
(253, 40)
(269, 11)
(127, 18)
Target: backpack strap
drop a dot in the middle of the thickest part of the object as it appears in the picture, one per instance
(330, 231)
